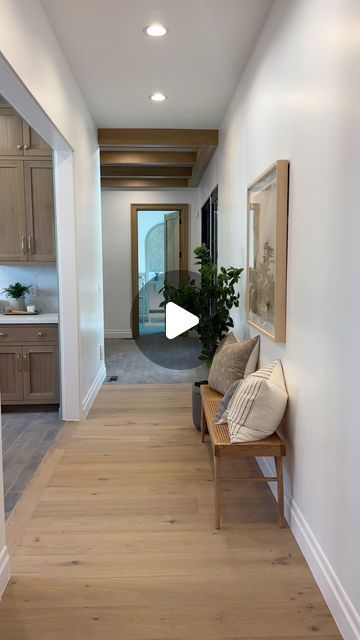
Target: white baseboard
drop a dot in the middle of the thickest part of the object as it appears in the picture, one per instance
(4, 569)
(118, 334)
(340, 605)
(93, 391)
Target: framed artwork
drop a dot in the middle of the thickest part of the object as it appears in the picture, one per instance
(266, 251)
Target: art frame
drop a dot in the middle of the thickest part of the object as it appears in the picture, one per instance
(267, 216)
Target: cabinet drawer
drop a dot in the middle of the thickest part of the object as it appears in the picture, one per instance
(35, 333)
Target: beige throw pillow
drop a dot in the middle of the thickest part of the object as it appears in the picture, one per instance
(230, 362)
(258, 405)
(229, 339)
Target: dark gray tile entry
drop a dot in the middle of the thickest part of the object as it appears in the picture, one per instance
(26, 437)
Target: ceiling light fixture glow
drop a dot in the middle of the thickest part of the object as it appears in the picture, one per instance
(156, 30)
(158, 97)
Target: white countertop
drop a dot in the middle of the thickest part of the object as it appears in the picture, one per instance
(40, 318)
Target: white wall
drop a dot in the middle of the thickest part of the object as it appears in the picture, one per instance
(43, 277)
(299, 99)
(30, 47)
(117, 248)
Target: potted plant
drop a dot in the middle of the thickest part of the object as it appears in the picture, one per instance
(16, 292)
(211, 299)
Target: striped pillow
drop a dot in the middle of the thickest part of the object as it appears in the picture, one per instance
(258, 405)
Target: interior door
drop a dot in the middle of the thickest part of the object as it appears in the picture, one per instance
(174, 223)
(172, 244)
(209, 224)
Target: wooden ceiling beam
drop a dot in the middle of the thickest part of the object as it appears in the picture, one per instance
(152, 158)
(203, 158)
(145, 172)
(144, 183)
(112, 138)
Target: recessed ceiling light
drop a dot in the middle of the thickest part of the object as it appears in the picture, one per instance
(156, 30)
(157, 97)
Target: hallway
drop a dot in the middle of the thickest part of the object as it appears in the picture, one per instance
(114, 538)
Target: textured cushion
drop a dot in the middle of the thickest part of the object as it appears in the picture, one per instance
(230, 362)
(258, 405)
(230, 338)
(224, 404)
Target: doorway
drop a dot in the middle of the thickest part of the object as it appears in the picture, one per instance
(17, 95)
(158, 247)
(209, 224)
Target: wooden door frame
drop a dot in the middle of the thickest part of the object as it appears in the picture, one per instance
(134, 208)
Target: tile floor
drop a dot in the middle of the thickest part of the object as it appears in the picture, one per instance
(26, 438)
(124, 359)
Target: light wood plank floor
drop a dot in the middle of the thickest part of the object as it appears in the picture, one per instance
(114, 538)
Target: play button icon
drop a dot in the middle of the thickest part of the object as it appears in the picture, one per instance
(178, 320)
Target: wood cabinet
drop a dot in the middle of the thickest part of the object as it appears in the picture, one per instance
(27, 225)
(13, 236)
(11, 378)
(29, 364)
(40, 373)
(33, 144)
(39, 207)
(11, 133)
(17, 138)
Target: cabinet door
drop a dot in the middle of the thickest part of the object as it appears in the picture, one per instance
(12, 212)
(39, 202)
(11, 376)
(41, 373)
(34, 145)
(11, 133)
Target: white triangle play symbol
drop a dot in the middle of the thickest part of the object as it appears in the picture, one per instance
(178, 320)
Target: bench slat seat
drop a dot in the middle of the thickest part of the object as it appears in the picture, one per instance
(222, 446)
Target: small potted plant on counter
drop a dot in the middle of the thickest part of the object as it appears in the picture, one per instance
(15, 293)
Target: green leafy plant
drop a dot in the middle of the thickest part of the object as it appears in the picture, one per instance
(16, 290)
(211, 299)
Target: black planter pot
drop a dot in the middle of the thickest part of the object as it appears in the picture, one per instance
(196, 403)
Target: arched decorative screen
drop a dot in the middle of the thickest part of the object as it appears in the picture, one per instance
(154, 249)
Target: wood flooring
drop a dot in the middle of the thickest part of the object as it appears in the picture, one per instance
(114, 538)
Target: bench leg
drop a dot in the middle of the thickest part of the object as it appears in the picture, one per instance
(217, 481)
(280, 490)
(202, 424)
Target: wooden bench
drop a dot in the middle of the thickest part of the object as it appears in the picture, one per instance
(222, 447)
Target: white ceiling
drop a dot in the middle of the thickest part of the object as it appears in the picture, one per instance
(197, 65)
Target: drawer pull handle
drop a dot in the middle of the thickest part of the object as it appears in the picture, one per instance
(40, 334)
(2, 334)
